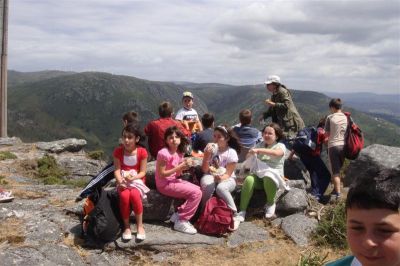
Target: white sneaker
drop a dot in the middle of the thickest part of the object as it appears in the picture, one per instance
(270, 210)
(236, 224)
(174, 217)
(240, 216)
(185, 227)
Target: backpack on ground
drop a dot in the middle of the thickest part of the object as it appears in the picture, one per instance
(102, 221)
(307, 142)
(354, 139)
(216, 219)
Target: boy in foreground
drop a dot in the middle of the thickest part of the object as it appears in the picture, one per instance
(373, 222)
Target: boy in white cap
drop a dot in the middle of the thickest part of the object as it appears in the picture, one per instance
(187, 115)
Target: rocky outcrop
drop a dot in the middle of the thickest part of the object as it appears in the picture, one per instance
(371, 161)
(70, 145)
(299, 227)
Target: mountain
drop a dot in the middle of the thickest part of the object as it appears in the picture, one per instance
(54, 105)
(385, 106)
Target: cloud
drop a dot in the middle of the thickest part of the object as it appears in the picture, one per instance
(235, 42)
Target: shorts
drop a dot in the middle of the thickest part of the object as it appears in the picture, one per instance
(336, 159)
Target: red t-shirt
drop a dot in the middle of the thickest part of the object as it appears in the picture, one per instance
(141, 154)
(155, 132)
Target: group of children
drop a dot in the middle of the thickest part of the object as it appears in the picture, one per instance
(220, 149)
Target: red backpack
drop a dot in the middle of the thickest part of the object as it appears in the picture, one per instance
(216, 219)
(354, 140)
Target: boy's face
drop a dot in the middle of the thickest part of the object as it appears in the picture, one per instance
(187, 102)
(374, 236)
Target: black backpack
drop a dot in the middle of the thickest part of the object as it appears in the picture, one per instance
(104, 221)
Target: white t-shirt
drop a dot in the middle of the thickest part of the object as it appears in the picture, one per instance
(273, 161)
(187, 114)
(335, 126)
(221, 159)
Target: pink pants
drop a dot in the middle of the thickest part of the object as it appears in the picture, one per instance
(178, 188)
(128, 196)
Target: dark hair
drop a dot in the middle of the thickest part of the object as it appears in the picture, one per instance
(135, 130)
(165, 109)
(278, 130)
(322, 121)
(379, 192)
(336, 103)
(228, 133)
(207, 120)
(130, 117)
(245, 117)
(184, 140)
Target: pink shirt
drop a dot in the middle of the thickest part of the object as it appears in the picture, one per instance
(171, 160)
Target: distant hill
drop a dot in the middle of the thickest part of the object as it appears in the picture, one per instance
(384, 106)
(51, 105)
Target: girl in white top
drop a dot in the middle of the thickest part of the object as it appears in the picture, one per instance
(219, 163)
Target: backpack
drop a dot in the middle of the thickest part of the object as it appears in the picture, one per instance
(216, 219)
(103, 217)
(354, 140)
(308, 142)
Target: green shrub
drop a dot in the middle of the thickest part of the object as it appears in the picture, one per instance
(4, 155)
(312, 258)
(96, 155)
(49, 171)
(331, 230)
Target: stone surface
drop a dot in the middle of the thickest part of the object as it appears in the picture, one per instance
(292, 201)
(71, 145)
(299, 227)
(247, 232)
(372, 160)
(10, 141)
(78, 165)
(156, 207)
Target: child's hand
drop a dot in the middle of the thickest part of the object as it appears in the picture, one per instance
(253, 151)
(269, 102)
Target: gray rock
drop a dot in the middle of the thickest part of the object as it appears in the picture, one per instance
(247, 232)
(71, 145)
(10, 141)
(295, 170)
(291, 202)
(299, 228)
(156, 207)
(371, 161)
(161, 237)
(79, 165)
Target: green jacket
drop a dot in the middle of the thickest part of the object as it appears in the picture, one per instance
(284, 113)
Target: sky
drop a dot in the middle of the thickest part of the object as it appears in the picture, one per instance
(334, 45)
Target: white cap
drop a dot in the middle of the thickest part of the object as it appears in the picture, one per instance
(273, 79)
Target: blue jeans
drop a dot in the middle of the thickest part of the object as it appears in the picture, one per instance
(319, 174)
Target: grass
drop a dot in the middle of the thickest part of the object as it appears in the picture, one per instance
(4, 155)
(312, 258)
(331, 230)
(2, 180)
(96, 155)
(12, 231)
(52, 174)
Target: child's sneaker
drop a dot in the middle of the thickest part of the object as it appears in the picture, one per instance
(6, 196)
(335, 196)
(240, 216)
(185, 227)
(270, 210)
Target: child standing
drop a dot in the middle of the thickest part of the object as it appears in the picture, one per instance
(373, 221)
(335, 130)
(219, 163)
(169, 166)
(130, 162)
(272, 153)
(187, 115)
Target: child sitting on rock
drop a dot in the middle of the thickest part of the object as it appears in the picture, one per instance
(130, 162)
(169, 166)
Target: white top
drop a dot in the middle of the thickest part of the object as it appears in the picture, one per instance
(335, 126)
(187, 114)
(273, 161)
(221, 159)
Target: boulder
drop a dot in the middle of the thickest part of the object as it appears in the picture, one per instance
(299, 228)
(156, 207)
(293, 201)
(10, 141)
(71, 145)
(372, 160)
(79, 166)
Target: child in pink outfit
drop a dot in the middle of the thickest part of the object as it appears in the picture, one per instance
(169, 166)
